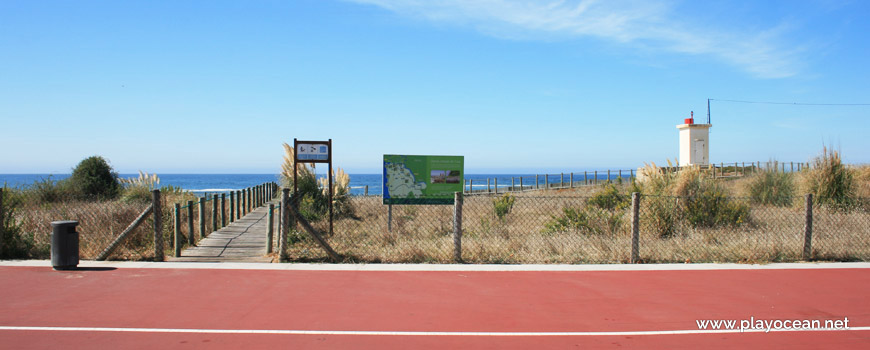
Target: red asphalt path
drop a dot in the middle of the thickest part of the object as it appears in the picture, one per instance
(424, 301)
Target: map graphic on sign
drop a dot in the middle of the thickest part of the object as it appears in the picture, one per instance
(410, 179)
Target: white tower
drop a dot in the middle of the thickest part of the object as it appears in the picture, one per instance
(694, 142)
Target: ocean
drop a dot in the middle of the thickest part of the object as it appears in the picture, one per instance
(217, 183)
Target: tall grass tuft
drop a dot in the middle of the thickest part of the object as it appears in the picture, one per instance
(771, 188)
(139, 188)
(830, 181)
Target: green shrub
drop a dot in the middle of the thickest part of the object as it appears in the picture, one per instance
(50, 191)
(610, 199)
(771, 188)
(14, 243)
(706, 204)
(590, 220)
(94, 178)
(503, 205)
(830, 181)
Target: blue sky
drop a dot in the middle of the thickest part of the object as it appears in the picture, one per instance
(514, 86)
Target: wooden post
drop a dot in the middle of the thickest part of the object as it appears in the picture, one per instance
(496, 185)
(202, 218)
(608, 175)
(791, 164)
(214, 213)
(562, 180)
(630, 174)
(488, 188)
(714, 169)
(470, 185)
(743, 168)
(546, 181)
(238, 204)
(232, 206)
(191, 238)
(536, 182)
(158, 225)
(635, 228)
(585, 178)
(223, 210)
(521, 183)
(366, 193)
(595, 178)
(177, 232)
(513, 183)
(250, 199)
(572, 181)
(269, 230)
(457, 227)
(808, 229)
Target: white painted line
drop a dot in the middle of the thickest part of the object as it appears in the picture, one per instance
(409, 333)
(443, 267)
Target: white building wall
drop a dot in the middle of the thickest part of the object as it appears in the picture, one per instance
(694, 144)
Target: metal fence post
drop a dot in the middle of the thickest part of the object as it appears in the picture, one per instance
(457, 227)
(635, 227)
(177, 233)
(808, 229)
(269, 230)
(158, 225)
(190, 234)
(202, 217)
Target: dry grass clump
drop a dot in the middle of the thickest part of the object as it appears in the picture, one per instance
(830, 181)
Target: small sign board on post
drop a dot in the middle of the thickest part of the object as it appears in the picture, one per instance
(314, 152)
(415, 179)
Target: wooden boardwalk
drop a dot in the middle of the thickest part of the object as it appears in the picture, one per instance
(241, 241)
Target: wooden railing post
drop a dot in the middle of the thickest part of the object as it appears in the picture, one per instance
(202, 218)
(269, 234)
(214, 213)
(232, 206)
(223, 210)
(177, 233)
(190, 233)
(158, 225)
(238, 204)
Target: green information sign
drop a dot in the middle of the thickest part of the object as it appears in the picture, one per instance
(422, 179)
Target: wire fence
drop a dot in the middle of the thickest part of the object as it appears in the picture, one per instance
(520, 228)
(528, 227)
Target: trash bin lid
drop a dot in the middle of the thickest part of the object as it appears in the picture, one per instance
(65, 222)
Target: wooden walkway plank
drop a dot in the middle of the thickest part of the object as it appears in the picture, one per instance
(243, 240)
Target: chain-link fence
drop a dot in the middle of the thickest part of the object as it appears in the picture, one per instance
(526, 228)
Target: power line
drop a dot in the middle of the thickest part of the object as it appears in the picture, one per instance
(793, 103)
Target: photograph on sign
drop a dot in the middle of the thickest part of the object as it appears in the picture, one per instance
(420, 179)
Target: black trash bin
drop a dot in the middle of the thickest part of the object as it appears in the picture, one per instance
(64, 245)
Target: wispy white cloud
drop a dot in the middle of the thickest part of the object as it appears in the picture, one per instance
(643, 23)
